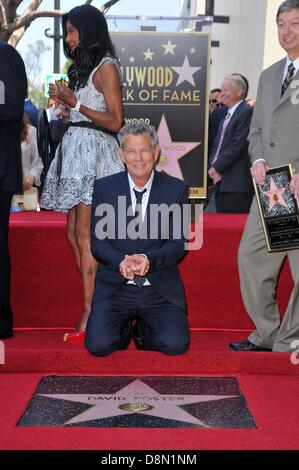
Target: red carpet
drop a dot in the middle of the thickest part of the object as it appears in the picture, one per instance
(46, 292)
(270, 399)
(46, 289)
(44, 351)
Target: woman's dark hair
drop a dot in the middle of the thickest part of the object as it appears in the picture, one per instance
(94, 44)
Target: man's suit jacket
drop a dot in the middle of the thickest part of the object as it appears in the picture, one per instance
(234, 163)
(275, 124)
(215, 119)
(13, 81)
(163, 254)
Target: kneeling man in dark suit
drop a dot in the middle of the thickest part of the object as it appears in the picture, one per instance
(138, 237)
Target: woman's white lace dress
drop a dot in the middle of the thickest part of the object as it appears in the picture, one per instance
(87, 154)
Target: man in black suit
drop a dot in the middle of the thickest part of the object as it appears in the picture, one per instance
(138, 278)
(13, 88)
(229, 159)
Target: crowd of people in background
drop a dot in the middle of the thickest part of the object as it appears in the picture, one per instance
(51, 124)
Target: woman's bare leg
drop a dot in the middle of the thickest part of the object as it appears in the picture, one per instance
(87, 262)
(70, 231)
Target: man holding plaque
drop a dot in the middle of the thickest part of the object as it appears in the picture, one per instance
(273, 142)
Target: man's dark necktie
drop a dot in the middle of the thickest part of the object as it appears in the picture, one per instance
(139, 195)
(288, 79)
(139, 280)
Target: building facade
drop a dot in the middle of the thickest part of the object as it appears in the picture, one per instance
(248, 43)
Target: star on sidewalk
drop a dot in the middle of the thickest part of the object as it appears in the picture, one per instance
(140, 398)
(148, 55)
(169, 48)
(186, 72)
(171, 151)
(275, 195)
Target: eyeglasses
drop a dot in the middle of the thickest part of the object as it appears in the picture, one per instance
(213, 101)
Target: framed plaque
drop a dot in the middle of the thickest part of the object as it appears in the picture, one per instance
(279, 209)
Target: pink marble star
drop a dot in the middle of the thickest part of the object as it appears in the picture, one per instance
(137, 397)
(275, 195)
(171, 151)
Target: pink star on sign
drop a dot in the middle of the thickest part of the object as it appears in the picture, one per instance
(186, 72)
(171, 151)
(275, 195)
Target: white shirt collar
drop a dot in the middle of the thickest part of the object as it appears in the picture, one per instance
(146, 195)
(147, 186)
(234, 108)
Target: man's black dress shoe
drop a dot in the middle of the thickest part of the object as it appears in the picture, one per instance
(6, 322)
(245, 346)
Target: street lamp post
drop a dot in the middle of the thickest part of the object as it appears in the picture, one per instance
(210, 7)
(57, 37)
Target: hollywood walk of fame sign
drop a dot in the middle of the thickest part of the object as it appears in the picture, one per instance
(145, 402)
(279, 209)
(165, 82)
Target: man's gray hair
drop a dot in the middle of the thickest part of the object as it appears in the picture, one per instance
(138, 127)
(287, 5)
(239, 83)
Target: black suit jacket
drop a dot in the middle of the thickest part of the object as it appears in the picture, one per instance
(234, 162)
(215, 119)
(163, 254)
(13, 82)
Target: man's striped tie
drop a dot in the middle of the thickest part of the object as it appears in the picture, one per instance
(288, 79)
(224, 125)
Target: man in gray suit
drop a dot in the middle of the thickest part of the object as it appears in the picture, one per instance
(273, 141)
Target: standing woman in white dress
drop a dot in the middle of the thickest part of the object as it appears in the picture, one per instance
(89, 147)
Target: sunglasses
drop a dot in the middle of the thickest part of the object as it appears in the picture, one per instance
(213, 101)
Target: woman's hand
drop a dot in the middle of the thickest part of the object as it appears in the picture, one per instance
(61, 93)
